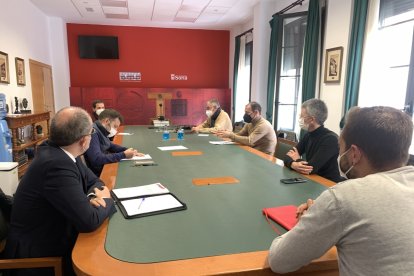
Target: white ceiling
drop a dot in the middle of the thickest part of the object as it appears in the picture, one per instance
(194, 14)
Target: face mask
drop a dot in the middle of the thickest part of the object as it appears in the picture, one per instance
(99, 111)
(209, 113)
(247, 118)
(344, 174)
(302, 124)
(112, 132)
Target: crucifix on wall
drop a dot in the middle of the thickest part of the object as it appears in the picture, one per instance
(160, 103)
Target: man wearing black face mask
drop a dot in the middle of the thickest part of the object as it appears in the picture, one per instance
(257, 133)
(365, 217)
(101, 150)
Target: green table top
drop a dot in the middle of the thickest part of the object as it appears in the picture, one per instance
(220, 219)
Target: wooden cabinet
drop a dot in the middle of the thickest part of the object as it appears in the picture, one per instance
(16, 122)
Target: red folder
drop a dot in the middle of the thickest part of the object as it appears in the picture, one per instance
(283, 215)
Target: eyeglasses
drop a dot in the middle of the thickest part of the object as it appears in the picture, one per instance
(92, 132)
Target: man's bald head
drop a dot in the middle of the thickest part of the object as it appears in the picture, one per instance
(69, 125)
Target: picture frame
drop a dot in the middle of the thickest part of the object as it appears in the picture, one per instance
(20, 72)
(333, 65)
(4, 68)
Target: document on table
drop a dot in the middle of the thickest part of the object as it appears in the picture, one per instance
(222, 142)
(124, 133)
(139, 191)
(203, 135)
(135, 158)
(150, 204)
(172, 148)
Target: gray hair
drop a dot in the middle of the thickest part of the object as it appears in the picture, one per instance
(69, 125)
(214, 102)
(317, 109)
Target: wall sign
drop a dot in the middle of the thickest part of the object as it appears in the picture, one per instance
(130, 76)
(175, 77)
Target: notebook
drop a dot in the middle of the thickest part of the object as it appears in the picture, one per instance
(283, 215)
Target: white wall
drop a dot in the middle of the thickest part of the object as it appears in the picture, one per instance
(58, 45)
(336, 34)
(26, 33)
(338, 25)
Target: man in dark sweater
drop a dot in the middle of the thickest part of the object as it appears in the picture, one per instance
(317, 152)
(101, 150)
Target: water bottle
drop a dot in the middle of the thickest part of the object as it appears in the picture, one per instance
(180, 134)
(165, 134)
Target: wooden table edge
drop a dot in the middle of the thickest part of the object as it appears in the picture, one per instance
(89, 256)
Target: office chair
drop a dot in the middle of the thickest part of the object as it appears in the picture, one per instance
(282, 147)
(287, 134)
(55, 262)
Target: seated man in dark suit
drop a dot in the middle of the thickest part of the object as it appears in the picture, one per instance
(317, 151)
(58, 196)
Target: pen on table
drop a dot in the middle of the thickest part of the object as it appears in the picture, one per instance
(139, 206)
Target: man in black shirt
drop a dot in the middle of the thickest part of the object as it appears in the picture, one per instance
(317, 152)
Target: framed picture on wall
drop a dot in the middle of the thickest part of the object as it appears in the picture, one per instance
(333, 65)
(20, 72)
(4, 68)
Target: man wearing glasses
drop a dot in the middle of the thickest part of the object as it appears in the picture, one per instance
(58, 196)
(319, 145)
(257, 133)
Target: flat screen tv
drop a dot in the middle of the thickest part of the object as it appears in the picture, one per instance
(98, 47)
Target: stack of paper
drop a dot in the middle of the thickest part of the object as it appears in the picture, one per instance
(221, 142)
(135, 158)
(139, 191)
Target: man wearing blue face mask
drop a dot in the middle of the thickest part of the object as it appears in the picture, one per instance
(319, 146)
(257, 133)
(368, 218)
(101, 150)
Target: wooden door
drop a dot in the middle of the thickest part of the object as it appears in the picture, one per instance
(42, 87)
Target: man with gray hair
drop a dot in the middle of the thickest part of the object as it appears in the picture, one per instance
(369, 217)
(319, 145)
(217, 119)
(58, 196)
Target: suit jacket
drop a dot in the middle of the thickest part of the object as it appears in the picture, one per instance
(51, 206)
(101, 150)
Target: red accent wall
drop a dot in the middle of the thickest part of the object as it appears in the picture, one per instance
(138, 109)
(202, 55)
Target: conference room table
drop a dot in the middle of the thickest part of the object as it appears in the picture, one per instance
(222, 231)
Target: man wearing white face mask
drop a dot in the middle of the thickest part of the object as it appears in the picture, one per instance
(319, 145)
(368, 218)
(217, 119)
(101, 150)
(97, 107)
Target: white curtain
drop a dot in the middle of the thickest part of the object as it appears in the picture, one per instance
(243, 82)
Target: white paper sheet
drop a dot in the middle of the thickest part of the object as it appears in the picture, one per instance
(135, 158)
(151, 189)
(221, 142)
(203, 135)
(150, 204)
(124, 133)
(172, 148)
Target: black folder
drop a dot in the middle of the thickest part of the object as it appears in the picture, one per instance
(149, 205)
